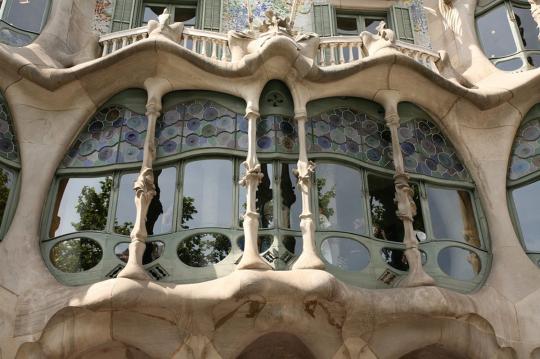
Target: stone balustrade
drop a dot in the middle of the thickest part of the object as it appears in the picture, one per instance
(335, 50)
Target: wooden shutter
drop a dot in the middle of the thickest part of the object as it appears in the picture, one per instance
(211, 15)
(323, 15)
(122, 15)
(401, 18)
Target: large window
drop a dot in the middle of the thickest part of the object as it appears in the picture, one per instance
(22, 21)
(355, 23)
(185, 12)
(523, 184)
(508, 34)
(195, 221)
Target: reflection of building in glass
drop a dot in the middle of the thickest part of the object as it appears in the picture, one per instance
(269, 179)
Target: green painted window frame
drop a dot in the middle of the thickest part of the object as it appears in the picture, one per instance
(360, 17)
(181, 273)
(521, 52)
(512, 185)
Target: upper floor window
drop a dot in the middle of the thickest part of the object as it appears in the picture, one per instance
(508, 34)
(203, 14)
(330, 21)
(22, 20)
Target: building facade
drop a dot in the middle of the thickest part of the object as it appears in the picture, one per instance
(269, 179)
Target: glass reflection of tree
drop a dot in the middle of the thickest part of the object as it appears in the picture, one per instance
(204, 249)
(288, 197)
(325, 208)
(93, 207)
(264, 198)
(76, 255)
(4, 189)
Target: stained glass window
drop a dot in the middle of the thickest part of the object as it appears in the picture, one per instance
(426, 151)
(346, 131)
(8, 143)
(526, 150)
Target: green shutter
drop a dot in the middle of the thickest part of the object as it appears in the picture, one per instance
(122, 15)
(323, 15)
(211, 15)
(403, 24)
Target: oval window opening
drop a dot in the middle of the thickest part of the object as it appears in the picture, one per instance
(153, 251)
(204, 249)
(76, 255)
(346, 254)
(263, 243)
(459, 263)
(396, 258)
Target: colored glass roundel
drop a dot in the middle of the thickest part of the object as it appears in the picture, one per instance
(427, 152)
(349, 132)
(8, 144)
(526, 150)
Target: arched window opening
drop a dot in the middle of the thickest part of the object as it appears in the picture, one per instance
(523, 184)
(357, 222)
(22, 21)
(508, 34)
(194, 222)
(9, 168)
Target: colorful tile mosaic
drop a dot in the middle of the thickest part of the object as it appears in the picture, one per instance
(235, 12)
(427, 152)
(526, 150)
(274, 134)
(349, 132)
(419, 22)
(103, 16)
(8, 143)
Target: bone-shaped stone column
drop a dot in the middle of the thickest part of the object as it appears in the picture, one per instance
(253, 177)
(404, 198)
(144, 187)
(309, 258)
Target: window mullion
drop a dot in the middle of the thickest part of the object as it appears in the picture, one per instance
(113, 202)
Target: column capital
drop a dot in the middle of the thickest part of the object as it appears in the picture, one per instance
(392, 119)
(153, 109)
(252, 114)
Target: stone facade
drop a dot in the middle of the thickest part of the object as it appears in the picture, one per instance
(56, 84)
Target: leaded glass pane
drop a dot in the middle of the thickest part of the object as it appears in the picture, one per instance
(346, 254)
(204, 249)
(350, 132)
(526, 201)
(459, 263)
(76, 255)
(207, 194)
(275, 133)
(526, 150)
(7, 183)
(82, 204)
(452, 215)
(8, 142)
(427, 152)
(495, 34)
(341, 198)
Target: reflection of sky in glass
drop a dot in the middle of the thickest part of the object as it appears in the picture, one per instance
(67, 210)
(526, 201)
(495, 34)
(347, 204)
(210, 184)
(527, 28)
(27, 16)
(459, 263)
(126, 210)
(345, 253)
(448, 215)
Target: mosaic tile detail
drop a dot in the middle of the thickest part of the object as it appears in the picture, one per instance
(427, 152)
(352, 133)
(8, 143)
(274, 134)
(419, 22)
(526, 150)
(114, 135)
(103, 16)
(235, 12)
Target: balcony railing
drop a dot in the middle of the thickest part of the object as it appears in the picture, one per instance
(333, 51)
